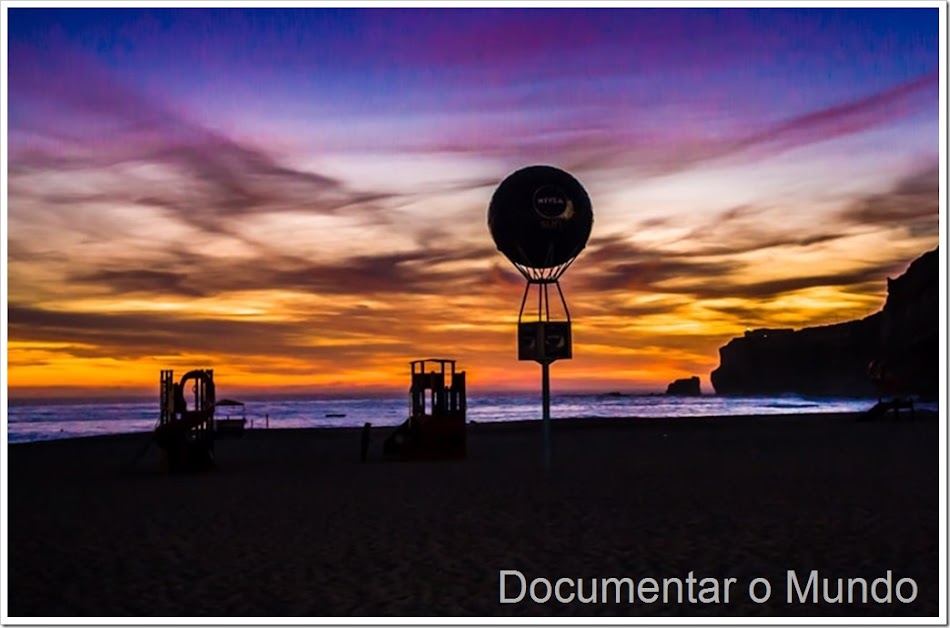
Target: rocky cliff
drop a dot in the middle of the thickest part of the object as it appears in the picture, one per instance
(834, 359)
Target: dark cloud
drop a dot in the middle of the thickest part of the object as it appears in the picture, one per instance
(208, 179)
(623, 265)
(747, 228)
(772, 288)
(420, 271)
(619, 265)
(145, 334)
(653, 223)
(913, 203)
(751, 313)
(499, 275)
(618, 313)
(369, 274)
(20, 251)
(142, 281)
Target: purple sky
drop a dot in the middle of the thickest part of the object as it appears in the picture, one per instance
(298, 155)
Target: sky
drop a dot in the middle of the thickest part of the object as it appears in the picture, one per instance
(298, 198)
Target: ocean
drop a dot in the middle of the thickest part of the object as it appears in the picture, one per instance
(32, 421)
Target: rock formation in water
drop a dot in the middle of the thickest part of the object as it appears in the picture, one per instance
(687, 387)
(833, 360)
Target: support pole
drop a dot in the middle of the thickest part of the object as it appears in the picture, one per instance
(546, 412)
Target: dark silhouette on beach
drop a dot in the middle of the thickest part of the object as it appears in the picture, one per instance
(364, 441)
(186, 435)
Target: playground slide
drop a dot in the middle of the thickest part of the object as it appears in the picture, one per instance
(173, 432)
(396, 442)
(427, 437)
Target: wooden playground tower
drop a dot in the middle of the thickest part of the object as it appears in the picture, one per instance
(185, 432)
(436, 424)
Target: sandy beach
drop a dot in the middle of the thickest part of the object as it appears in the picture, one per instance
(291, 523)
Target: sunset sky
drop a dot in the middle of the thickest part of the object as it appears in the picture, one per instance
(298, 198)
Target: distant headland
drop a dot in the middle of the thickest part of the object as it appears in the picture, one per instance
(833, 360)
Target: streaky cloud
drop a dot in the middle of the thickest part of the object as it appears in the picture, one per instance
(846, 118)
(913, 203)
(144, 334)
(211, 179)
(624, 266)
(195, 275)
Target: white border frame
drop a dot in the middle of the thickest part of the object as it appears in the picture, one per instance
(942, 619)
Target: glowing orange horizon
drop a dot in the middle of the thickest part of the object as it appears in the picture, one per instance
(321, 224)
(642, 353)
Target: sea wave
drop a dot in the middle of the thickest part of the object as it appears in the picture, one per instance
(44, 421)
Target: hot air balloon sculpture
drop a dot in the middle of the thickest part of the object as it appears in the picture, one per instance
(540, 218)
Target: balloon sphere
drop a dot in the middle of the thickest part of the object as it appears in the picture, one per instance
(540, 217)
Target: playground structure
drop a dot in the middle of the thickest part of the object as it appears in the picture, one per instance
(436, 424)
(185, 431)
